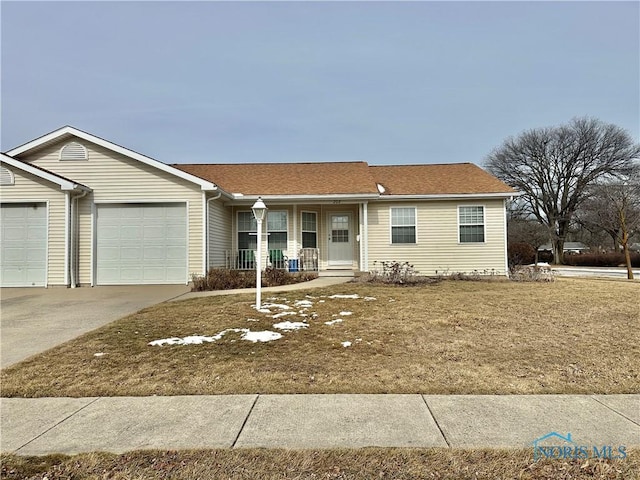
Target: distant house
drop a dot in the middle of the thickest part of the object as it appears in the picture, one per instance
(79, 210)
(569, 247)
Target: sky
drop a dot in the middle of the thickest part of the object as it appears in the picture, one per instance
(384, 82)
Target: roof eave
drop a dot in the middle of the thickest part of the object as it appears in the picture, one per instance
(449, 196)
(63, 183)
(68, 130)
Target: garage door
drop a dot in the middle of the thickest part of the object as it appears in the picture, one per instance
(141, 243)
(23, 245)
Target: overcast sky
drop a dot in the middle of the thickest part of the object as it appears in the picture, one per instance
(389, 83)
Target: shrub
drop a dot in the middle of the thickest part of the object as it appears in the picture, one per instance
(521, 254)
(613, 259)
(225, 279)
(532, 274)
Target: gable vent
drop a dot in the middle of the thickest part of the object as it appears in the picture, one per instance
(6, 176)
(73, 151)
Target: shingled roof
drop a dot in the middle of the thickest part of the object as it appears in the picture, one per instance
(440, 179)
(287, 178)
(356, 178)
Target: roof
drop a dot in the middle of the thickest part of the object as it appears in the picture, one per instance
(69, 132)
(350, 178)
(63, 182)
(329, 178)
(437, 179)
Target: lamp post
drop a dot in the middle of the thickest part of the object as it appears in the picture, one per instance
(259, 210)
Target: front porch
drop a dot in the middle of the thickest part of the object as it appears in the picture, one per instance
(300, 237)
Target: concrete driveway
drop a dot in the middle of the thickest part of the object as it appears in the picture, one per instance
(33, 320)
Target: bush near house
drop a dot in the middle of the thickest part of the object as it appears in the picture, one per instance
(600, 259)
(227, 279)
(521, 254)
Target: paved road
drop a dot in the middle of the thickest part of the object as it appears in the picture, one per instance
(118, 424)
(606, 272)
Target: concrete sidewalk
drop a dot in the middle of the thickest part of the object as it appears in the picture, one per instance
(117, 424)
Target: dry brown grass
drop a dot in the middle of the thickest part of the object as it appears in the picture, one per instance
(383, 463)
(571, 336)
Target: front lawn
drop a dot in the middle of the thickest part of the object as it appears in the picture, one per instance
(353, 464)
(453, 337)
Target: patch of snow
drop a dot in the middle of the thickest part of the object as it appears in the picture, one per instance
(540, 264)
(355, 295)
(194, 339)
(99, 354)
(290, 325)
(346, 313)
(282, 314)
(264, 336)
(304, 303)
(264, 310)
(333, 322)
(321, 301)
(369, 299)
(346, 344)
(252, 320)
(281, 306)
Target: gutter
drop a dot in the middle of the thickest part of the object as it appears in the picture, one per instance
(205, 233)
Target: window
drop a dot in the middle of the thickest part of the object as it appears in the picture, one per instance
(277, 228)
(247, 228)
(309, 230)
(73, 151)
(6, 176)
(471, 221)
(403, 225)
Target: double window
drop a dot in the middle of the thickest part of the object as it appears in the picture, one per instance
(403, 225)
(471, 224)
(276, 227)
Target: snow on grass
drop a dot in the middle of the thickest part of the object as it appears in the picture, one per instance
(346, 344)
(252, 320)
(99, 354)
(333, 322)
(247, 334)
(290, 325)
(283, 314)
(281, 306)
(355, 295)
(264, 336)
(303, 303)
(264, 310)
(369, 299)
(345, 313)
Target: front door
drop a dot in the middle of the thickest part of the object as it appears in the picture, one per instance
(340, 240)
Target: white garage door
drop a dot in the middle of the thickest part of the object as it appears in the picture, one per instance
(23, 245)
(141, 243)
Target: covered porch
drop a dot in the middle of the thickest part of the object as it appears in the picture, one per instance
(316, 237)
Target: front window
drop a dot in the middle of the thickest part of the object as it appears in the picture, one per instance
(309, 230)
(471, 221)
(403, 225)
(277, 228)
(247, 229)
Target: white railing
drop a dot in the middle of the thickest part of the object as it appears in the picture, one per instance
(245, 259)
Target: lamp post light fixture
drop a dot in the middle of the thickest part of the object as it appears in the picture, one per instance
(259, 211)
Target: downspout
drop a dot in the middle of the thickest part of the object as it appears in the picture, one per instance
(67, 237)
(73, 239)
(207, 252)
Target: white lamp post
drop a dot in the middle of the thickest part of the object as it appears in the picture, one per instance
(259, 210)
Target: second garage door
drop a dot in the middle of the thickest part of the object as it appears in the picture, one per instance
(141, 243)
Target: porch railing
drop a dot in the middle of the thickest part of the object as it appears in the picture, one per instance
(245, 259)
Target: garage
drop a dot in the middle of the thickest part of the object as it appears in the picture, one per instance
(23, 246)
(141, 243)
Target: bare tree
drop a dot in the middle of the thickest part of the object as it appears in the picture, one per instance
(614, 206)
(523, 229)
(554, 166)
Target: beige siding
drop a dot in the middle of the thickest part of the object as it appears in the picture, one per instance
(116, 178)
(29, 188)
(219, 233)
(437, 249)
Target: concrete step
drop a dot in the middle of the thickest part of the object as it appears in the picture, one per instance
(337, 273)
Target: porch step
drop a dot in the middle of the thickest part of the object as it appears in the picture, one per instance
(336, 273)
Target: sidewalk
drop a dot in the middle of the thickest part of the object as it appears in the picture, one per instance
(118, 424)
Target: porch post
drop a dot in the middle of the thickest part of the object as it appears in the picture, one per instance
(365, 236)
